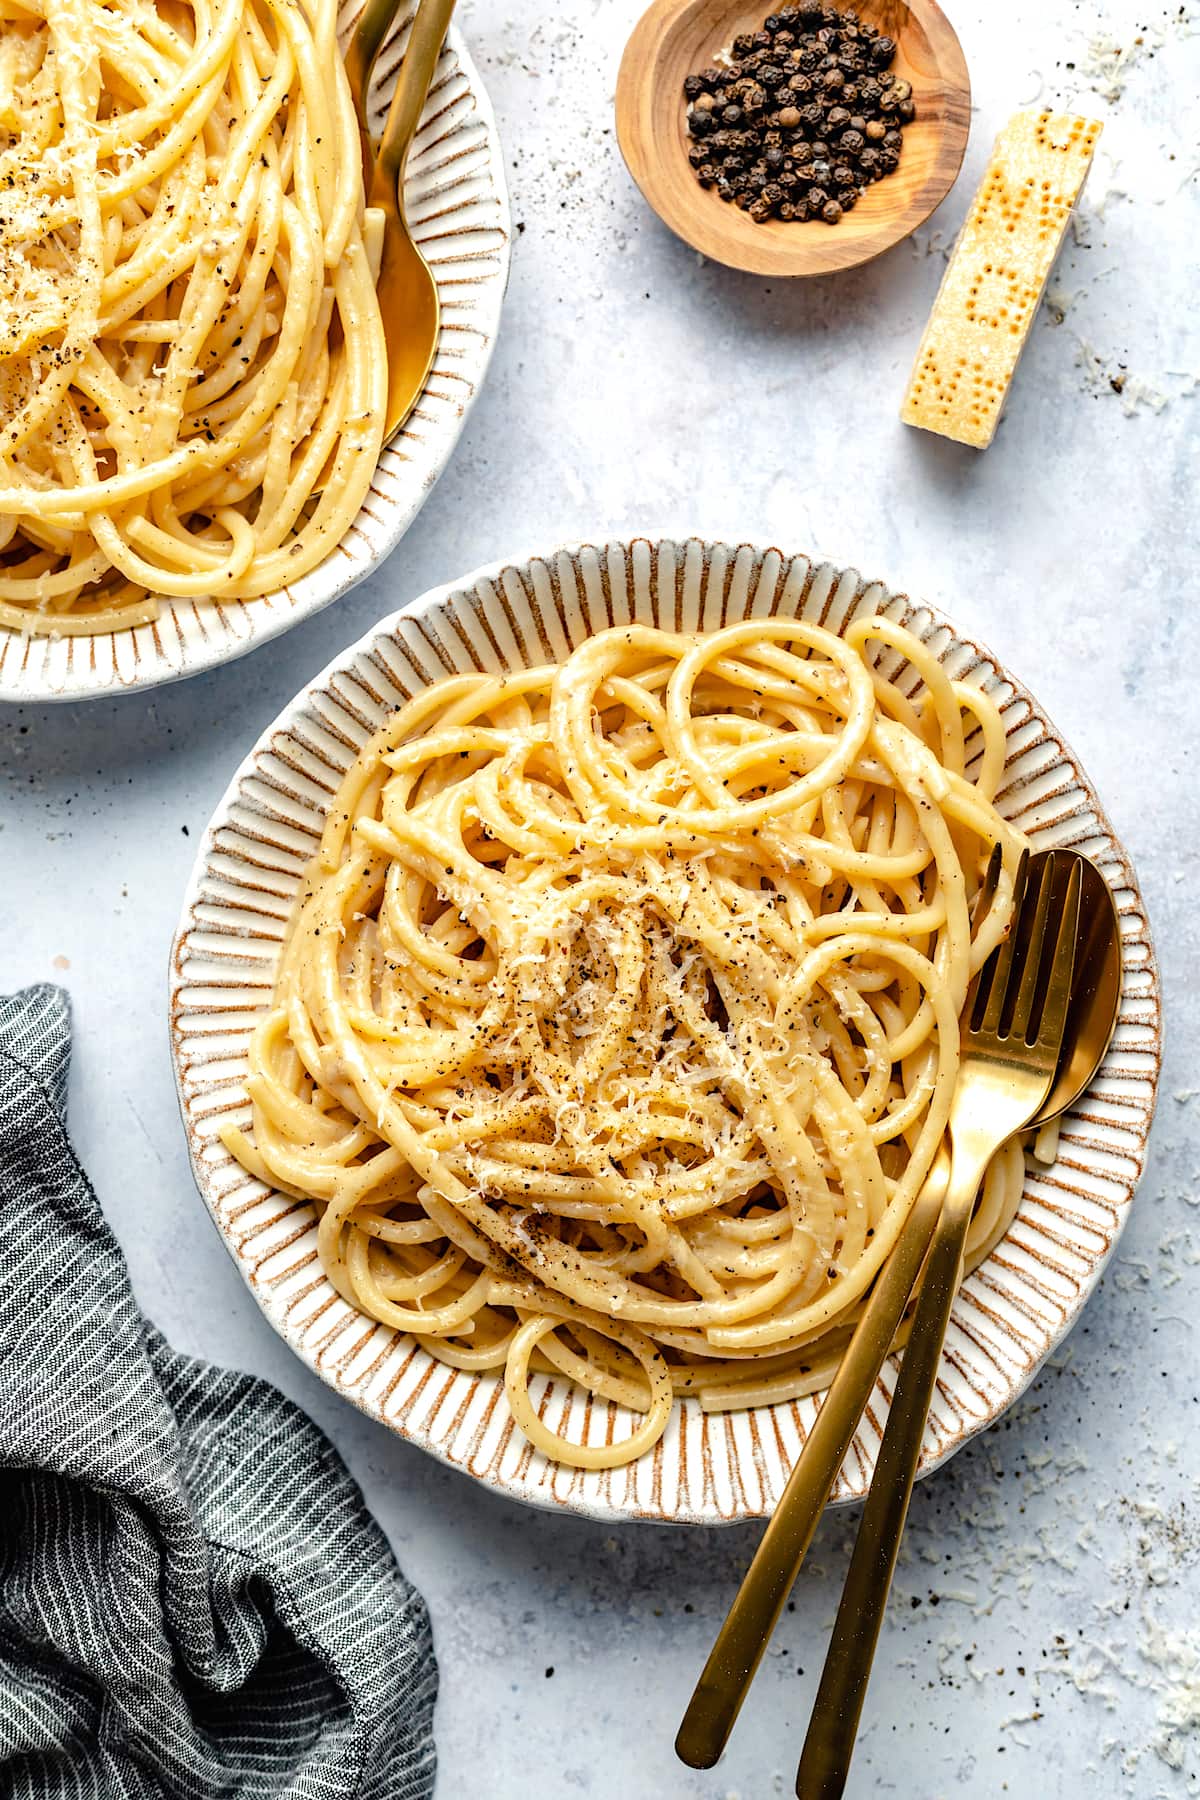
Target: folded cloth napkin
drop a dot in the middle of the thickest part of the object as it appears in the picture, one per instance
(195, 1603)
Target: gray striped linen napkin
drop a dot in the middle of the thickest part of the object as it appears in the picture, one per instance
(195, 1603)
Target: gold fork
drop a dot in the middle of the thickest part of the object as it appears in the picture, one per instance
(742, 1639)
(1012, 1035)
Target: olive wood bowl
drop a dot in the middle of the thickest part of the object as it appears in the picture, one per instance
(676, 38)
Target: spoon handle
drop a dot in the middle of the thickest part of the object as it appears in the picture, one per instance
(374, 23)
(412, 85)
(714, 1707)
(829, 1745)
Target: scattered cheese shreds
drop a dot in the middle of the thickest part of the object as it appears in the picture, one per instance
(1001, 263)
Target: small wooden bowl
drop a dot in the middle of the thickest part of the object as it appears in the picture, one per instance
(676, 38)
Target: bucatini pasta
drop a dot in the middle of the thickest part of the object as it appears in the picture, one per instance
(617, 1023)
(190, 341)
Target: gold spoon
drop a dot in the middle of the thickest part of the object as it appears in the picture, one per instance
(408, 296)
(374, 23)
(1091, 1020)
(1012, 1037)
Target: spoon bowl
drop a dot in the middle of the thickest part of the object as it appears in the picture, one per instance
(675, 38)
(1095, 994)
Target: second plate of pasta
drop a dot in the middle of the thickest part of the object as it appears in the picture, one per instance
(193, 375)
(600, 1022)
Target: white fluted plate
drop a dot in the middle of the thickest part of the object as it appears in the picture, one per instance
(709, 1468)
(457, 205)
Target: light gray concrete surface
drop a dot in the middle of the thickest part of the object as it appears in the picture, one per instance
(1042, 1640)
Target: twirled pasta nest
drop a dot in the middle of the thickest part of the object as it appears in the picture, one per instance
(616, 1028)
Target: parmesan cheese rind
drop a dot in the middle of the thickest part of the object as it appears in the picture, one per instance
(996, 276)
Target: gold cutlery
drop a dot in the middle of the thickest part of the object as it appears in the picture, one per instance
(1013, 1031)
(408, 296)
(739, 1647)
(362, 53)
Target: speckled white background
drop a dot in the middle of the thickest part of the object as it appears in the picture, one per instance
(1043, 1633)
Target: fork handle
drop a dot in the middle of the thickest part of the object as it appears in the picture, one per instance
(829, 1745)
(723, 1685)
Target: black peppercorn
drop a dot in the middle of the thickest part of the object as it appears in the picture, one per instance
(810, 73)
